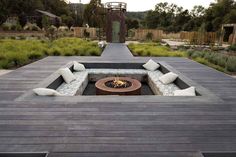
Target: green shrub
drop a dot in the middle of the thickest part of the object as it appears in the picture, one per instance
(4, 64)
(231, 64)
(215, 60)
(68, 54)
(190, 52)
(76, 51)
(46, 52)
(92, 51)
(55, 51)
(232, 48)
(15, 53)
(197, 54)
(205, 62)
(21, 37)
(2, 56)
(13, 27)
(6, 27)
(16, 27)
(35, 55)
(221, 60)
(154, 49)
(201, 60)
(16, 60)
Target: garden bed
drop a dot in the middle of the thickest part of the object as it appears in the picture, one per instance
(218, 61)
(16, 53)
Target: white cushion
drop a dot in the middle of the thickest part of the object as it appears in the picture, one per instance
(67, 75)
(168, 78)
(185, 92)
(151, 65)
(46, 92)
(78, 66)
(101, 44)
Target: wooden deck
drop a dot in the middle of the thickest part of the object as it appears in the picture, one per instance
(111, 129)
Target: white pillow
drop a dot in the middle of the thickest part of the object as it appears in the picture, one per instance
(185, 92)
(46, 92)
(168, 78)
(151, 65)
(78, 66)
(67, 75)
(101, 44)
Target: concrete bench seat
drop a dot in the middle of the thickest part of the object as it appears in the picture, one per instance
(78, 86)
(158, 87)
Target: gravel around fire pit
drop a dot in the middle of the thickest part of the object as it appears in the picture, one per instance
(77, 86)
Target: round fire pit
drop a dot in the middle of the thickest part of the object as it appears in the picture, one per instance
(118, 86)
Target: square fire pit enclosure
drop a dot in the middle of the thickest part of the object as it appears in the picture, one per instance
(83, 89)
(94, 82)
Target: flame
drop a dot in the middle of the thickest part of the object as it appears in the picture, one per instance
(119, 83)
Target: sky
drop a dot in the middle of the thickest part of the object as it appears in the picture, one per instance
(143, 5)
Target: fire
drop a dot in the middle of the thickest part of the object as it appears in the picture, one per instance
(119, 83)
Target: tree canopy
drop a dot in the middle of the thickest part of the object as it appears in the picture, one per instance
(165, 16)
(94, 14)
(172, 18)
(22, 8)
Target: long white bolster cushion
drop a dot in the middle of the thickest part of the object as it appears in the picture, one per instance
(46, 92)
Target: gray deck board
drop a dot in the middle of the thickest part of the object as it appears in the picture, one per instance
(164, 129)
(116, 51)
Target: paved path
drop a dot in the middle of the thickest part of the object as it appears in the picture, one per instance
(116, 51)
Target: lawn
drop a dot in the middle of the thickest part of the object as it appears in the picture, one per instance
(215, 60)
(16, 53)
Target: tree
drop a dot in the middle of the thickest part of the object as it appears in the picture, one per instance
(132, 24)
(166, 16)
(3, 11)
(22, 19)
(67, 20)
(152, 19)
(197, 11)
(172, 18)
(219, 13)
(57, 7)
(93, 14)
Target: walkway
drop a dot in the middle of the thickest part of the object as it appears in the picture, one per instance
(116, 51)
